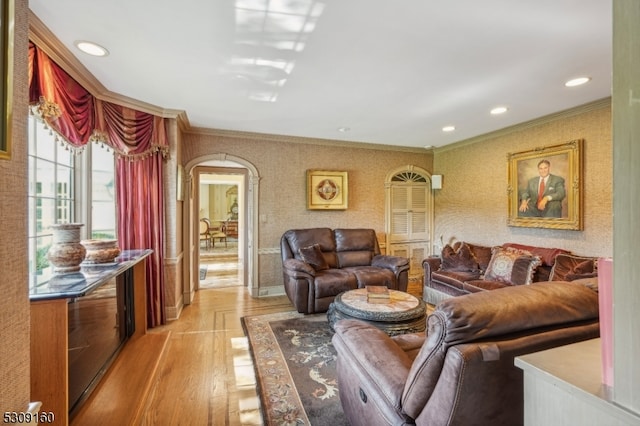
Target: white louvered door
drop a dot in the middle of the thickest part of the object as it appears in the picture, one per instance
(409, 207)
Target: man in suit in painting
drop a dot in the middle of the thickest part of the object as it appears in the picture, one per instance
(543, 195)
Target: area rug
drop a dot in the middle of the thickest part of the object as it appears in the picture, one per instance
(295, 366)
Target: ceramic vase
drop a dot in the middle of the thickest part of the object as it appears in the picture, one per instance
(101, 251)
(66, 253)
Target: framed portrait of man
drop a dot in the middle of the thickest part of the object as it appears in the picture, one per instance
(545, 187)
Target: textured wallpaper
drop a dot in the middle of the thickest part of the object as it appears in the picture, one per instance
(14, 309)
(282, 167)
(472, 206)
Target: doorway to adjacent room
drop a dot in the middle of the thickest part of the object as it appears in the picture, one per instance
(219, 205)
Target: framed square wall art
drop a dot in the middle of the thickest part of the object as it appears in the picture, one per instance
(327, 190)
(545, 187)
(6, 67)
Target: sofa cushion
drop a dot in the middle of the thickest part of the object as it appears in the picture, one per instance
(458, 259)
(454, 278)
(567, 265)
(313, 256)
(512, 266)
(331, 282)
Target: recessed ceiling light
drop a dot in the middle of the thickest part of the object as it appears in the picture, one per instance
(498, 110)
(577, 81)
(448, 128)
(91, 48)
(344, 129)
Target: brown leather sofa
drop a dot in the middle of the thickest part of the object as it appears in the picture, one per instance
(464, 268)
(462, 371)
(320, 263)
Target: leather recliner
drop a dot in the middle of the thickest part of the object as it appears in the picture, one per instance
(461, 372)
(344, 259)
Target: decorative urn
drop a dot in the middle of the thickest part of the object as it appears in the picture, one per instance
(101, 251)
(66, 253)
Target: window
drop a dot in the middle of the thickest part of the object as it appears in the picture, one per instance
(57, 177)
(103, 217)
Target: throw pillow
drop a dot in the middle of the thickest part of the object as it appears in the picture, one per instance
(314, 257)
(459, 259)
(512, 266)
(568, 264)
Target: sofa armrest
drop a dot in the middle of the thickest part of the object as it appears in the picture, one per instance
(396, 264)
(431, 264)
(368, 351)
(294, 266)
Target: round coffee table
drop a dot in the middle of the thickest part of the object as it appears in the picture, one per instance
(404, 313)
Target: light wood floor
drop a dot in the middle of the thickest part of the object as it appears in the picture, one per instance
(193, 371)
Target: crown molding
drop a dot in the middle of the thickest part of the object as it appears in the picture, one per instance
(591, 106)
(269, 137)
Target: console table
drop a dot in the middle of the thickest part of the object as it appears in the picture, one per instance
(50, 324)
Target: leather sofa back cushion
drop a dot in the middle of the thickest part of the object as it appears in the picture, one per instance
(474, 316)
(511, 266)
(458, 259)
(354, 258)
(356, 239)
(355, 247)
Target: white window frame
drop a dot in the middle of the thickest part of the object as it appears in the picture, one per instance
(81, 197)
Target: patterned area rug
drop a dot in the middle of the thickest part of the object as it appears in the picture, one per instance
(295, 369)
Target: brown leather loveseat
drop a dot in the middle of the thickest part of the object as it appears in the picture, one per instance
(320, 263)
(462, 371)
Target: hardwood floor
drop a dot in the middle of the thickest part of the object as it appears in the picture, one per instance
(193, 371)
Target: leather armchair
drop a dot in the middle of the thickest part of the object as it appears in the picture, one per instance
(461, 371)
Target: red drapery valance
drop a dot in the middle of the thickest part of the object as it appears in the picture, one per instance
(79, 118)
(60, 101)
(132, 134)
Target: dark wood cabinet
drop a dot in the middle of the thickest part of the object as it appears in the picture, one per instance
(231, 228)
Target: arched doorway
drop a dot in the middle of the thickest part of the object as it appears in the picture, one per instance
(409, 215)
(247, 199)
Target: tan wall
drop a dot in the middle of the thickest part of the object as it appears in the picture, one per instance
(472, 206)
(14, 303)
(282, 168)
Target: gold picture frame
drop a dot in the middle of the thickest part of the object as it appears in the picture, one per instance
(7, 12)
(557, 204)
(327, 190)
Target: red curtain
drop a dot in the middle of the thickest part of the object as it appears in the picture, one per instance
(141, 223)
(140, 143)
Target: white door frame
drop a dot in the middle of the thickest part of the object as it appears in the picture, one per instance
(249, 235)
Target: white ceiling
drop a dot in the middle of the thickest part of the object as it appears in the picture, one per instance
(393, 71)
